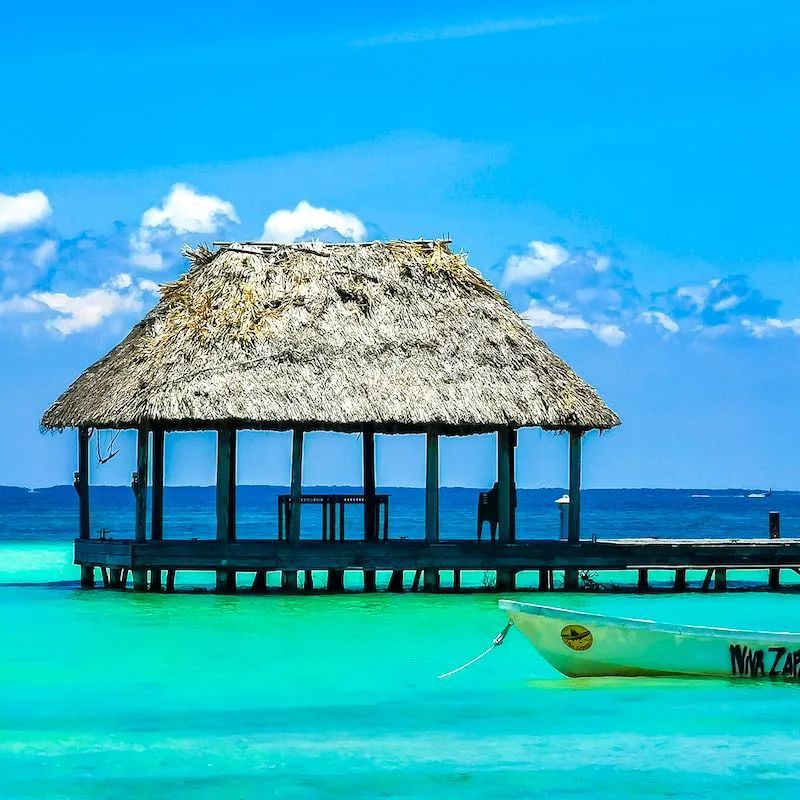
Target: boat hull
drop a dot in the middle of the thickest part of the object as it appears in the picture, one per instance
(579, 644)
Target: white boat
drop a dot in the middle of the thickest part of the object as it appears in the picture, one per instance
(753, 495)
(580, 644)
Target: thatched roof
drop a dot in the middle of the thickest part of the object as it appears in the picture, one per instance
(400, 335)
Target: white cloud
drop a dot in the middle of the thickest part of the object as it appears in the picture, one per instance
(771, 326)
(727, 303)
(149, 286)
(19, 305)
(186, 211)
(183, 211)
(540, 260)
(696, 296)
(45, 253)
(538, 316)
(23, 210)
(660, 318)
(87, 310)
(483, 28)
(286, 225)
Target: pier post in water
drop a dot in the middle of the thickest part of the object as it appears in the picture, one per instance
(680, 580)
(140, 486)
(574, 513)
(431, 578)
(720, 579)
(226, 500)
(505, 504)
(157, 512)
(289, 577)
(370, 526)
(774, 533)
(82, 485)
(643, 584)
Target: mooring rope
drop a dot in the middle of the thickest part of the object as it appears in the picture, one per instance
(497, 641)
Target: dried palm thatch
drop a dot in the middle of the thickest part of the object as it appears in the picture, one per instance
(401, 335)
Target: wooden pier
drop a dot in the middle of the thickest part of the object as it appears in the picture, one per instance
(262, 556)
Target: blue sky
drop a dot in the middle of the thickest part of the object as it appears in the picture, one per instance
(625, 172)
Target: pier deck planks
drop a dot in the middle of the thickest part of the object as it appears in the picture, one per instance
(608, 554)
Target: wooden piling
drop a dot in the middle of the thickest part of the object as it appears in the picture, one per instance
(574, 512)
(431, 578)
(545, 580)
(170, 580)
(142, 452)
(456, 580)
(226, 501)
(370, 526)
(396, 582)
(260, 582)
(720, 579)
(774, 533)
(157, 512)
(505, 481)
(82, 485)
(289, 577)
(415, 583)
(643, 584)
(335, 576)
(707, 580)
(680, 580)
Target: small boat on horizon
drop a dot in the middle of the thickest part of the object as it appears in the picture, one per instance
(753, 495)
(580, 644)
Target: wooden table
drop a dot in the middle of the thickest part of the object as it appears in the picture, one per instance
(329, 503)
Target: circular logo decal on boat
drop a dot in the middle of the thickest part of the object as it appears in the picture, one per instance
(576, 637)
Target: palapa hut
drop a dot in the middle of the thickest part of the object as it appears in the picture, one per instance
(380, 337)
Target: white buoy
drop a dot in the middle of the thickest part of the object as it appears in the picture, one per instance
(563, 510)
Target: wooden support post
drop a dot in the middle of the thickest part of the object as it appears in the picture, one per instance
(774, 533)
(456, 580)
(157, 512)
(574, 513)
(707, 580)
(505, 482)
(370, 527)
(308, 580)
(289, 577)
(643, 584)
(545, 580)
(260, 582)
(396, 582)
(415, 583)
(226, 500)
(115, 577)
(720, 579)
(82, 485)
(170, 580)
(142, 453)
(431, 578)
(336, 581)
(680, 580)
(335, 576)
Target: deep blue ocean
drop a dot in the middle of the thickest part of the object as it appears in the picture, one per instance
(48, 515)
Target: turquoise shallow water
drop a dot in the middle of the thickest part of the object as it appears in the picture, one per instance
(107, 695)
(192, 696)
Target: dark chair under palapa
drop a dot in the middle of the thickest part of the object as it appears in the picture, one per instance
(488, 511)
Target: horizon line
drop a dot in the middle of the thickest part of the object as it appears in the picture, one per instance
(34, 489)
